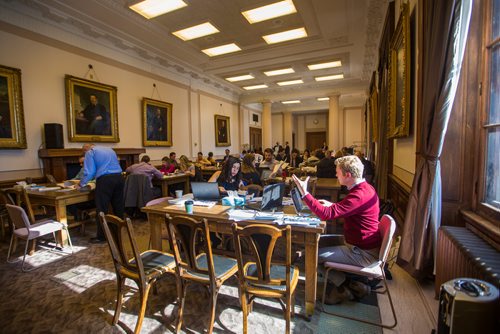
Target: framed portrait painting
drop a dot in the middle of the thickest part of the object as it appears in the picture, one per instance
(222, 131)
(12, 130)
(91, 110)
(156, 123)
(399, 78)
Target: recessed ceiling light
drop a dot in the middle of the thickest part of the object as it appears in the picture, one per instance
(291, 82)
(290, 101)
(197, 31)
(279, 72)
(323, 99)
(220, 50)
(154, 8)
(330, 64)
(269, 11)
(240, 78)
(285, 36)
(330, 77)
(255, 87)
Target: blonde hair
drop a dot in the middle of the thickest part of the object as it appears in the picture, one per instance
(351, 164)
(185, 161)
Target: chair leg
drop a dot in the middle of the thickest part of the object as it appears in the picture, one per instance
(244, 308)
(288, 312)
(182, 296)
(10, 249)
(213, 305)
(391, 303)
(24, 257)
(144, 292)
(119, 299)
(324, 289)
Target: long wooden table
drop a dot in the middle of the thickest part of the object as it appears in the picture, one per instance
(219, 222)
(172, 179)
(59, 199)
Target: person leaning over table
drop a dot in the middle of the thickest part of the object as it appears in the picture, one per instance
(360, 210)
(167, 167)
(101, 163)
(201, 160)
(211, 158)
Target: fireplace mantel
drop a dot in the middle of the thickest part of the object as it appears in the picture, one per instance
(55, 160)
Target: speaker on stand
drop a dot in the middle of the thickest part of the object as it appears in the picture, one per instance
(53, 134)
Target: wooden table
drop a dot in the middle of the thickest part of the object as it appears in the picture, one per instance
(328, 187)
(172, 179)
(219, 222)
(59, 199)
(208, 171)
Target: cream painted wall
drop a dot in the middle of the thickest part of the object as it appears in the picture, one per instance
(277, 128)
(43, 69)
(354, 127)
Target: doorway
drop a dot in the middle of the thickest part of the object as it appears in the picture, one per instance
(315, 140)
(255, 138)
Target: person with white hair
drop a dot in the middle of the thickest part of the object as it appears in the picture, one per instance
(360, 210)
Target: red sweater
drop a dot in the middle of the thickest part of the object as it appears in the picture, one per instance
(360, 210)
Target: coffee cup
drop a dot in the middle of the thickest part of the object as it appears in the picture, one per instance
(189, 206)
(178, 193)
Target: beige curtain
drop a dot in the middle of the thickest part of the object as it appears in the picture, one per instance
(445, 29)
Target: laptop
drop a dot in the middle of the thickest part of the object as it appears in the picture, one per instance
(205, 191)
(300, 208)
(272, 198)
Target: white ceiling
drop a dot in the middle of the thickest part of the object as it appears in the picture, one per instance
(346, 30)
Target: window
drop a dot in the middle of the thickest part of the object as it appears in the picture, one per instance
(489, 195)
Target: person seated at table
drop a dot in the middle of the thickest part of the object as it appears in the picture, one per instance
(326, 166)
(173, 160)
(295, 159)
(249, 173)
(202, 161)
(281, 156)
(230, 177)
(258, 157)
(306, 155)
(360, 210)
(186, 166)
(313, 160)
(145, 168)
(211, 158)
(167, 166)
(79, 175)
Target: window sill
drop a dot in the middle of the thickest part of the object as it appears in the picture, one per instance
(482, 227)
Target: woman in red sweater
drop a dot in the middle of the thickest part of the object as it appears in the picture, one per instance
(360, 210)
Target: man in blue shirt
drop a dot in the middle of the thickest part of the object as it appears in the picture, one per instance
(101, 164)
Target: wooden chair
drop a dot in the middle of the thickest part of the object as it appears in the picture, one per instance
(161, 200)
(375, 270)
(143, 268)
(4, 214)
(261, 277)
(196, 263)
(214, 176)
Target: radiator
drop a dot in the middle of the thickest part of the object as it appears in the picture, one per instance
(460, 253)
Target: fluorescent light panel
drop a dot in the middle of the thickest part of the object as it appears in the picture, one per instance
(271, 11)
(330, 64)
(323, 99)
(197, 31)
(330, 77)
(279, 72)
(255, 87)
(285, 36)
(240, 78)
(291, 82)
(220, 50)
(153, 8)
(290, 102)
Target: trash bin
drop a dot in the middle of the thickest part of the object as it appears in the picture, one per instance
(468, 305)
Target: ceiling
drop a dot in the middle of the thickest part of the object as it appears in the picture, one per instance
(345, 30)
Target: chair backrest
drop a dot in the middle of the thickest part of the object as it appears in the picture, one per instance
(214, 176)
(386, 228)
(261, 240)
(18, 216)
(119, 233)
(159, 201)
(188, 244)
(5, 198)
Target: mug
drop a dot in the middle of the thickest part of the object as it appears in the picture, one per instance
(178, 193)
(189, 206)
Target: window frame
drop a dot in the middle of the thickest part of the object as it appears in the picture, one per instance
(483, 209)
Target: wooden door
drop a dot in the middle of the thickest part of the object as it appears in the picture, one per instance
(315, 140)
(255, 138)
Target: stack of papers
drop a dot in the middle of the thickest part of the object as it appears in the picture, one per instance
(238, 215)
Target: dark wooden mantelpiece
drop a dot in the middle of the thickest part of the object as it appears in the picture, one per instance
(55, 160)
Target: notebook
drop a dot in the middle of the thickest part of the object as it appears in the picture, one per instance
(272, 198)
(205, 191)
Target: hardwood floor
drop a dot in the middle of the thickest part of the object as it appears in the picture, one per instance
(416, 308)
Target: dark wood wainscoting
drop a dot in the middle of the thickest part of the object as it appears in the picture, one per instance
(399, 193)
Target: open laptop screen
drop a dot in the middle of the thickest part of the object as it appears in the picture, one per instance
(272, 197)
(297, 200)
(205, 191)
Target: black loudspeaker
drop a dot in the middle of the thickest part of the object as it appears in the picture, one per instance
(53, 135)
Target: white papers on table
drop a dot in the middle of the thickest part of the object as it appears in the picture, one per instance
(238, 214)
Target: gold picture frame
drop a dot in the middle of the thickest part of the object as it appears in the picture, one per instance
(156, 123)
(222, 131)
(373, 106)
(91, 109)
(399, 78)
(12, 130)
